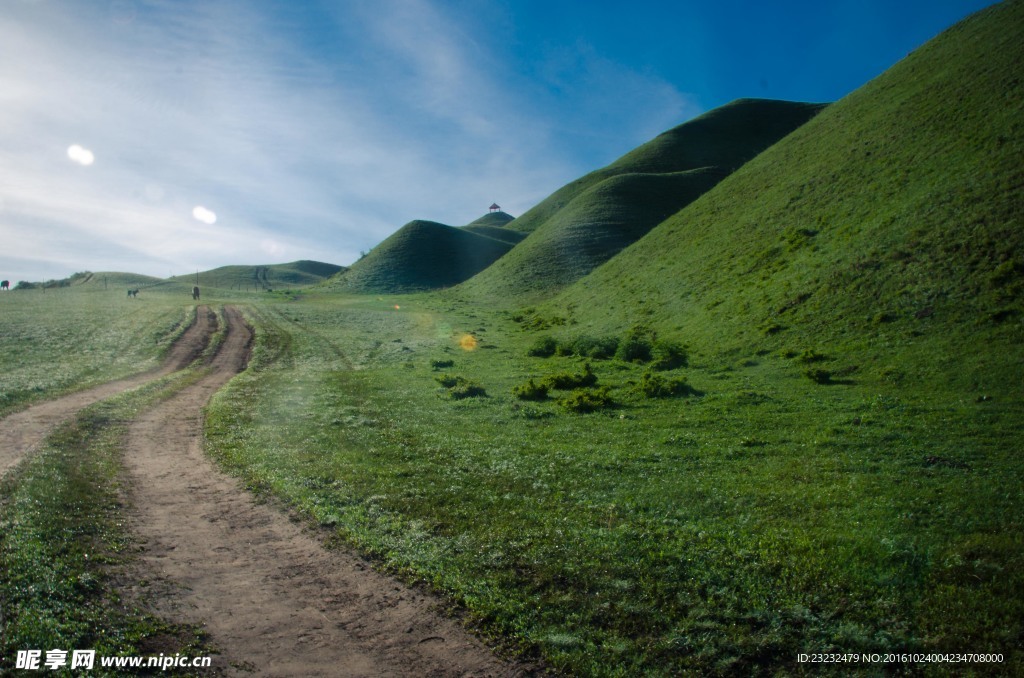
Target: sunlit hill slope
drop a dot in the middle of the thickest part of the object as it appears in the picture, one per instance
(888, 229)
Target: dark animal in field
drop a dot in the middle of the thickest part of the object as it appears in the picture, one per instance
(133, 293)
(5, 285)
(195, 292)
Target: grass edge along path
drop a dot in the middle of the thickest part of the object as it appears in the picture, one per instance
(64, 542)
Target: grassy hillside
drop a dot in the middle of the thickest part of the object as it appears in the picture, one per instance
(496, 218)
(493, 225)
(271, 276)
(885, 233)
(588, 221)
(423, 255)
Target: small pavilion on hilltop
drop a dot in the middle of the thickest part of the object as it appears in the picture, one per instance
(494, 207)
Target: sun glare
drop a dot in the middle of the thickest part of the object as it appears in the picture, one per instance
(82, 156)
(204, 215)
(467, 342)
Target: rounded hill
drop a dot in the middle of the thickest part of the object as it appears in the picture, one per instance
(422, 255)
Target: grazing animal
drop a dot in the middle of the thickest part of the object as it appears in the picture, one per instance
(5, 285)
(195, 292)
(133, 293)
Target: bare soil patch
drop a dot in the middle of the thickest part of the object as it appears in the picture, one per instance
(272, 598)
(22, 431)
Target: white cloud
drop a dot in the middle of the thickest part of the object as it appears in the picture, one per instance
(206, 216)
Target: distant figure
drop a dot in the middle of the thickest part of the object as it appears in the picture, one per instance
(5, 285)
(195, 291)
(133, 293)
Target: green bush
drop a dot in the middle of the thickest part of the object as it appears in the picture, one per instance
(447, 380)
(819, 375)
(565, 381)
(656, 386)
(587, 400)
(585, 346)
(543, 347)
(441, 364)
(460, 387)
(668, 355)
(531, 390)
(634, 349)
(466, 389)
(811, 356)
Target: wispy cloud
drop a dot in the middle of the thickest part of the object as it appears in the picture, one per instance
(306, 136)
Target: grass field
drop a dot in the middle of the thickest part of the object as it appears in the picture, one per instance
(762, 515)
(69, 338)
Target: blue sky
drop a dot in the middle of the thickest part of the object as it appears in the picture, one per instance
(168, 136)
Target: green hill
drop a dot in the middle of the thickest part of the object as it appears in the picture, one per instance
(423, 255)
(271, 276)
(496, 218)
(493, 225)
(887, 230)
(588, 221)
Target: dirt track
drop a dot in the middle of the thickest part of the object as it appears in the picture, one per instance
(273, 600)
(22, 431)
(271, 597)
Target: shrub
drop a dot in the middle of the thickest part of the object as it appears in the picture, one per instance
(587, 400)
(585, 346)
(819, 375)
(531, 390)
(466, 389)
(447, 380)
(460, 387)
(656, 386)
(635, 347)
(441, 364)
(566, 380)
(811, 356)
(543, 347)
(668, 355)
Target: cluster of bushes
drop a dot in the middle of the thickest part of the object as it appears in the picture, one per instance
(584, 396)
(656, 386)
(460, 387)
(587, 400)
(639, 345)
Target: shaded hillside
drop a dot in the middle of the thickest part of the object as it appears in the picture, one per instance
(422, 255)
(273, 276)
(889, 226)
(588, 221)
(493, 225)
(496, 218)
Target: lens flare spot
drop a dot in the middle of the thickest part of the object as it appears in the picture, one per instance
(204, 215)
(467, 342)
(82, 156)
(397, 307)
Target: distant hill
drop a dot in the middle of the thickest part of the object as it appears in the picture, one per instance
(270, 276)
(426, 255)
(888, 225)
(588, 221)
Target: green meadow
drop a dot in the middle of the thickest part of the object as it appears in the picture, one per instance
(752, 391)
(755, 515)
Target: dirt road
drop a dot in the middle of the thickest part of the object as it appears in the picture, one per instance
(271, 597)
(22, 431)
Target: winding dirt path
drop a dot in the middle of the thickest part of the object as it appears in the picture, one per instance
(22, 431)
(271, 597)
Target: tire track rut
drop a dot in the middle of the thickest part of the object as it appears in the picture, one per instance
(272, 598)
(23, 431)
